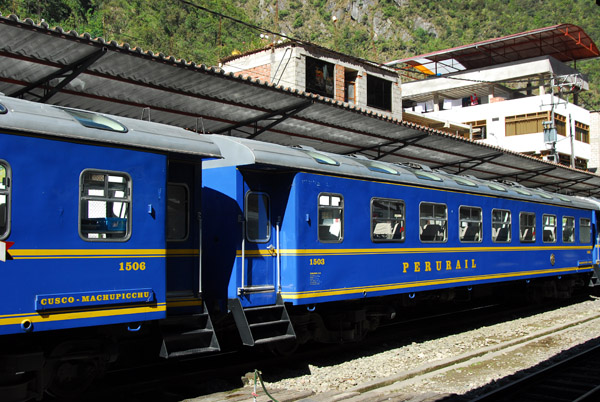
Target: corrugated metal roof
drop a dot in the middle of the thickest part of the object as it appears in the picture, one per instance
(133, 83)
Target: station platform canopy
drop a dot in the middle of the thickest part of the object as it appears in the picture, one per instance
(54, 66)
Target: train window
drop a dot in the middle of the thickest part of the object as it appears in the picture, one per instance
(585, 230)
(501, 226)
(433, 222)
(94, 120)
(4, 199)
(549, 234)
(3, 109)
(105, 206)
(331, 218)
(469, 224)
(387, 220)
(177, 212)
(527, 227)
(568, 229)
(496, 187)
(258, 221)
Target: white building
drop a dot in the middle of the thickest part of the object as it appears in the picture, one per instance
(503, 89)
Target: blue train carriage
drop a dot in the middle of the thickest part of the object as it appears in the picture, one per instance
(95, 213)
(342, 242)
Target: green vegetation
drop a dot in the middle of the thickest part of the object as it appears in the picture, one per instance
(378, 30)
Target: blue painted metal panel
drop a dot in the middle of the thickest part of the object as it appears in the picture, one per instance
(49, 257)
(320, 272)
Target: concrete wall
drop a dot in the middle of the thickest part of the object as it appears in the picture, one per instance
(595, 140)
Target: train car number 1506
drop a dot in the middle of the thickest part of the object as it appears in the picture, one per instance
(132, 266)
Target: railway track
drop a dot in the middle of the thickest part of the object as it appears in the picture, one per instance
(574, 378)
(218, 377)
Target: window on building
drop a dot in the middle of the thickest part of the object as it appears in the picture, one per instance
(585, 230)
(568, 229)
(560, 122)
(350, 86)
(549, 233)
(531, 123)
(433, 222)
(479, 129)
(501, 226)
(5, 185)
(105, 206)
(331, 218)
(379, 93)
(387, 220)
(582, 132)
(470, 224)
(177, 212)
(320, 77)
(527, 227)
(258, 220)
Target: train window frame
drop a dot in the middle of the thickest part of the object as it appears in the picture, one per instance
(463, 219)
(96, 120)
(388, 229)
(585, 236)
(120, 224)
(3, 109)
(6, 195)
(247, 218)
(436, 228)
(549, 230)
(326, 229)
(524, 236)
(503, 223)
(565, 229)
(171, 227)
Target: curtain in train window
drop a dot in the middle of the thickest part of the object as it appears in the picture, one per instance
(470, 224)
(585, 230)
(331, 218)
(568, 229)
(501, 226)
(387, 220)
(549, 234)
(527, 227)
(433, 222)
(4, 199)
(105, 206)
(258, 220)
(177, 212)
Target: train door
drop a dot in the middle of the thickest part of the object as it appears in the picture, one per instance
(259, 251)
(183, 233)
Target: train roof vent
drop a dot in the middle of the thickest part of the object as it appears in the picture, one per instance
(380, 167)
(94, 120)
(321, 158)
(3, 109)
(562, 198)
(464, 181)
(417, 166)
(361, 157)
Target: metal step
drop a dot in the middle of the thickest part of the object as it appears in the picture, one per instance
(263, 324)
(187, 335)
(595, 278)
